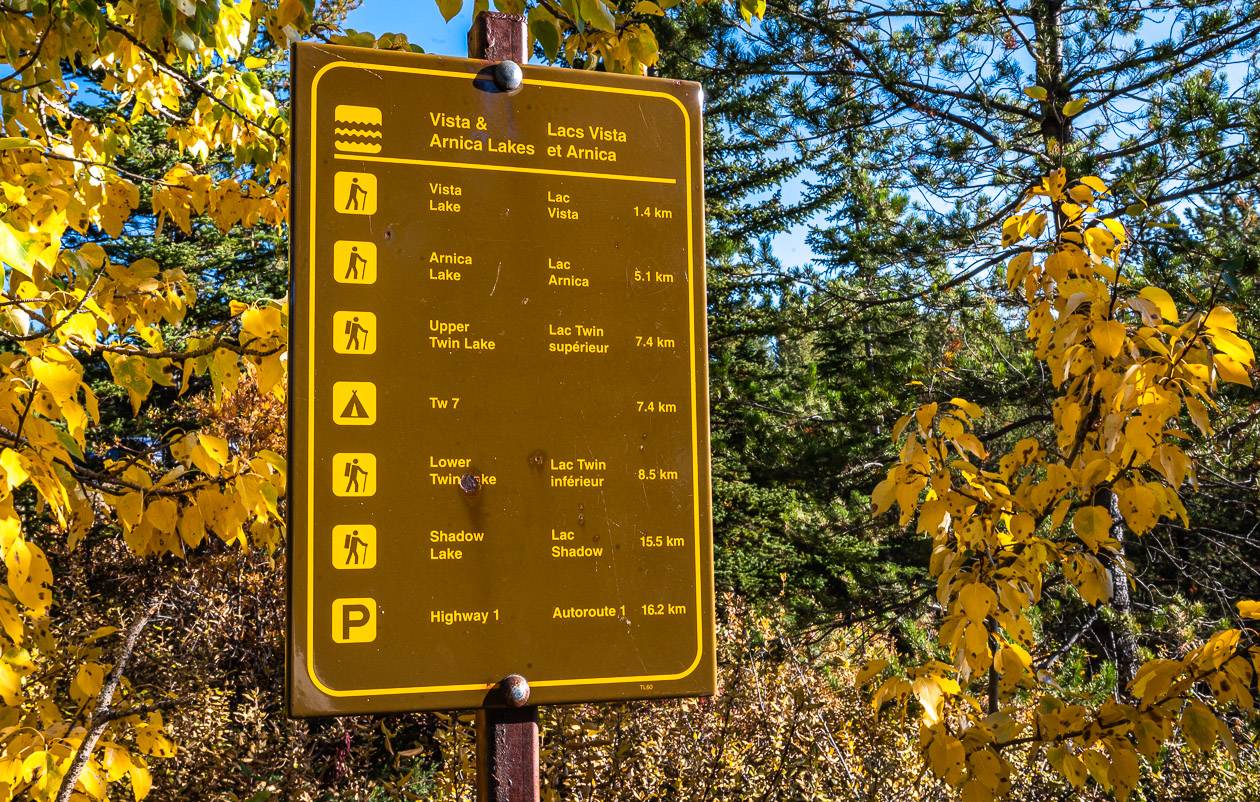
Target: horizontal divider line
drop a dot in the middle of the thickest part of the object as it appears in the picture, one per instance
(503, 168)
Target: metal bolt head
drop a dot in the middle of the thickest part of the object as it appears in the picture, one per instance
(515, 690)
(508, 75)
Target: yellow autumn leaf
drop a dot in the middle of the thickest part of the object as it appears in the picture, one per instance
(884, 495)
(270, 375)
(649, 8)
(1172, 463)
(87, 681)
(1108, 337)
(947, 758)
(1124, 772)
(1095, 472)
(192, 529)
(1200, 725)
(1017, 268)
(1021, 526)
(1073, 769)
(1221, 318)
(62, 377)
(1231, 345)
(870, 670)
(925, 415)
(1094, 182)
(1073, 107)
(90, 781)
(973, 410)
(15, 250)
(976, 791)
(15, 473)
(30, 578)
(977, 601)
(1163, 302)
(1249, 609)
(116, 761)
(1081, 194)
(1198, 413)
(141, 780)
(1138, 505)
(216, 447)
(1093, 526)
(10, 685)
(260, 323)
(11, 622)
(162, 514)
(1090, 577)
(1230, 370)
(1012, 658)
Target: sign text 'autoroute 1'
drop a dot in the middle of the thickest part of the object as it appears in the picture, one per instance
(500, 457)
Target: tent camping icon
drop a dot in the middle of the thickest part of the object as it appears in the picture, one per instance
(354, 403)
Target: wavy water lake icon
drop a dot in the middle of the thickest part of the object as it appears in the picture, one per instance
(357, 129)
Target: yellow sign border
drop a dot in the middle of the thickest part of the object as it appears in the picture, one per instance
(310, 412)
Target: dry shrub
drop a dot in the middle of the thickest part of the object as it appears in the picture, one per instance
(788, 722)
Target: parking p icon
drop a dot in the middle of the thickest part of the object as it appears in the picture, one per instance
(353, 620)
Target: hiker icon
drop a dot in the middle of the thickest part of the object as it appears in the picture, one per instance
(354, 546)
(354, 403)
(354, 329)
(357, 263)
(355, 193)
(354, 332)
(354, 474)
(354, 262)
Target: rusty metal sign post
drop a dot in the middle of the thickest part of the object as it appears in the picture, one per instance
(507, 737)
(499, 490)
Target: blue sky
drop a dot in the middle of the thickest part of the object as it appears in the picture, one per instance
(423, 25)
(419, 19)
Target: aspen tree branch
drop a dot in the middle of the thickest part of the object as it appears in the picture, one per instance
(160, 64)
(103, 713)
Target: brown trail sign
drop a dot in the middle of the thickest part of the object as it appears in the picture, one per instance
(500, 457)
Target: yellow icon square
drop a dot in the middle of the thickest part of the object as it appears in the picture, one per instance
(354, 546)
(354, 403)
(354, 261)
(354, 332)
(354, 474)
(354, 193)
(354, 620)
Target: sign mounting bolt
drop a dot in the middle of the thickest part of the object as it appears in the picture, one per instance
(515, 690)
(508, 75)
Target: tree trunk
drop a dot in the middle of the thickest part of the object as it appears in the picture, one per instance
(1123, 631)
(1048, 31)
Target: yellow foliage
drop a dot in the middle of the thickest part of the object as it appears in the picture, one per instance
(1125, 366)
(71, 309)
